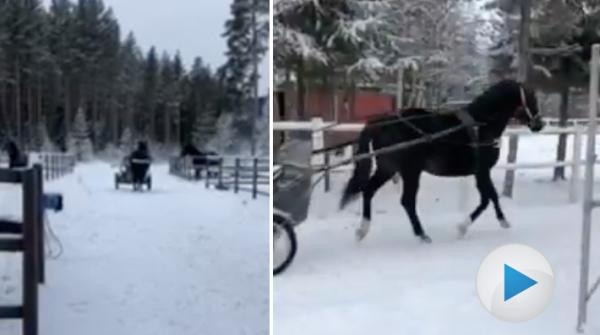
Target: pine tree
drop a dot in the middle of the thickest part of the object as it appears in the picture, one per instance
(127, 141)
(71, 55)
(80, 143)
(149, 94)
(205, 128)
(45, 144)
(129, 82)
(238, 31)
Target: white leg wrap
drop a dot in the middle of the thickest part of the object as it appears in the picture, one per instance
(363, 229)
(463, 227)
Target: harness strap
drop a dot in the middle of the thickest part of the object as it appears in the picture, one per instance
(470, 124)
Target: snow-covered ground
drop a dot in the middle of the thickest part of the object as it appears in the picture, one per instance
(180, 259)
(392, 284)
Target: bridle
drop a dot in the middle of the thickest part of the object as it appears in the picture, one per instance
(525, 107)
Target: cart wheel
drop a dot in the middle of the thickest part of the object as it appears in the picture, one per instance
(284, 244)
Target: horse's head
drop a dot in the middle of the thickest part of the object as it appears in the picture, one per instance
(11, 148)
(189, 150)
(527, 111)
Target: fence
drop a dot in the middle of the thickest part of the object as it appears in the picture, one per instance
(26, 237)
(241, 174)
(55, 165)
(319, 128)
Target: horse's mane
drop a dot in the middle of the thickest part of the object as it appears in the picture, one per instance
(492, 100)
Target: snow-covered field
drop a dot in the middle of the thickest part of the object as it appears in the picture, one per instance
(180, 259)
(392, 284)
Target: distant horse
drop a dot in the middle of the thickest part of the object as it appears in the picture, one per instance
(200, 159)
(16, 158)
(472, 150)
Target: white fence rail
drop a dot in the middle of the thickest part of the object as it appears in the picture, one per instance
(319, 128)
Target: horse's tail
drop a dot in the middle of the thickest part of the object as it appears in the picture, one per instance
(362, 170)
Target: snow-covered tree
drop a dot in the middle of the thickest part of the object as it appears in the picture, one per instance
(80, 142)
(561, 34)
(437, 43)
(205, 128)
(227, 139)
(127, 141)
(44, 142)
(239, 32)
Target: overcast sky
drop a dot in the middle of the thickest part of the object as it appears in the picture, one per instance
(194, 27)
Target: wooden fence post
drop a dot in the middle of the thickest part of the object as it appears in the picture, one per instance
(30, 252)
(46, 160)
(326, 174)
(236, 176)
(509, 178)
(54, 169)
(254, 178)
(576, 165)
(220, 185)
(207, 172)
(40, 221)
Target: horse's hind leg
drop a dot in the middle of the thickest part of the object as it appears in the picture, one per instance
(487, 192)
(496, 201)
(409, 202)
(380, 177)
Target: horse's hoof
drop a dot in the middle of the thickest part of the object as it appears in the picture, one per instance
(363, 230)
(504, 224)
(425, 239)
(360, 235)
(462, 230)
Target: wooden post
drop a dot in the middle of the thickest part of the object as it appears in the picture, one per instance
(46, 160)
(40, 222)
(207, 172)
(220, 185)
(513, 143)
(54, 167)
(326, 175)
(576, 166)
(236, 176)
(254, 178)
(30, 253)
(509, 177)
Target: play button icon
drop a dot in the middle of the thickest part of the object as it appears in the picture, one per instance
(515, 283)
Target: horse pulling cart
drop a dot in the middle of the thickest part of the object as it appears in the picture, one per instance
(293, 183)
(125, 175)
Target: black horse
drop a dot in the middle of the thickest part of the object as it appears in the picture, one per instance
(472, 150)
(200, 159)
(16, 158)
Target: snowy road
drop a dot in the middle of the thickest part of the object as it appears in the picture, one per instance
(392, 284)
(180, 259)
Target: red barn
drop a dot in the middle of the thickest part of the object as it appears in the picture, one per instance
(352, 106)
